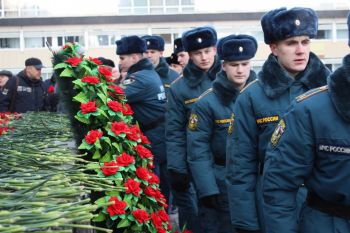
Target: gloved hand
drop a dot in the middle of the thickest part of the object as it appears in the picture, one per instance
(246, 231)
(211, 201)
(180, 182)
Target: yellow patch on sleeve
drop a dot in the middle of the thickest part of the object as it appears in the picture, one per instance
(277, 134)
(193, 122)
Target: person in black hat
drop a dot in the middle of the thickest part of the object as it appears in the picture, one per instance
(145, 93)
(173, 63)
(211, 121)
(5, 75)
(155, 49)
(26, 90)
(197, 77)
(311, 144)
(290, 70)
(179, 51)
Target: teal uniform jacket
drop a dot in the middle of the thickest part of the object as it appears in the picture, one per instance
(166, 74)
(311, 145)
(207, 132)
(183, 92)
(257, 111)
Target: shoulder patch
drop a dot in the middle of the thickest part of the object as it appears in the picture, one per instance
(205, 93)
(128, 81)
(193, 122)
(190, 101)
(277, 134)
(311, 93)
(177, 79)
(248, 85)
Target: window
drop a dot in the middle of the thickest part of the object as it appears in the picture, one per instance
(156, 3)
(36, 39)
(9, 40)
(324, 34)
(125, 3)
(187, 2)
(61, 40)
(172, 2)
(138, 3)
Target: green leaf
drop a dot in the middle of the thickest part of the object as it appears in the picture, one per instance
(101, 201)
(81, 98)
(117, 146)
(103, 113)
(107, 157)
(96, 155)
(79, 83)
(98, 144)
(123, 223)
(68, 72)
(107, 140)
(60, 66)
(102, 97)
(101, 217)
(82, 119)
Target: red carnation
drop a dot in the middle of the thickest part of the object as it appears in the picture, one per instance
(88, 107)
(149, 191)
(119, 127)
(115, 106)
(154, 179)
(142, 173)
(90, 79)
(95, 60)
(117, 208)
(92, 136)
(156, 220)
(105, 71)
(127, 111)
(133, 134)
(118, 90)
(161, 229)
(133, 187)
(163, 215)
(109, 168)
(144, 140)
(125, 160)
(74, 61)
(51, 89)
(140, 215)
(143, 152)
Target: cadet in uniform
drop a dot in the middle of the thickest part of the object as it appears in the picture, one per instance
(311, 144)
(184, 91)
(210, 122)
(155, 49)
(145, 94)
(290, 70)
(179, 51)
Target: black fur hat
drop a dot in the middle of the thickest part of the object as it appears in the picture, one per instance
(237, 48)
(130, 44)
(178, 47)
(280, 24)
(154, 42)
(199, 38)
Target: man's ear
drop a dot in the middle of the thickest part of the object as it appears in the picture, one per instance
(273, 48)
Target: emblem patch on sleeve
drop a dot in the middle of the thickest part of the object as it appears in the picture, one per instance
(230, 126)
(193, 122)
(277, 134)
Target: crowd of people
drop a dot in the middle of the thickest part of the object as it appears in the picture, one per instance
(235, 150)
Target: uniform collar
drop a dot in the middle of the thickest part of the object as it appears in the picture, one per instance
(162, 68)
(339, 88)
(275, 80)
(225, 90)
(143, 64)
(194, 76)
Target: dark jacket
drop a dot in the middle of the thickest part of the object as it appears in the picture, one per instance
(311, 147)
(146, 96)
(167, 75)
(183, 92)
(257, 111)
(30, 95)
(206, 136)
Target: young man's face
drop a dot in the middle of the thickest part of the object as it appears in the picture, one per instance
(176, 67)
(154, 56)
(126, 61)
(203, 58)
(182, 58)
(237, 72)
(292, 53)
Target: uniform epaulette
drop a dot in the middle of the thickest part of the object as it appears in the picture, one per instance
(244, 88)
(177, 79)
(311, 93)
(205, 93)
